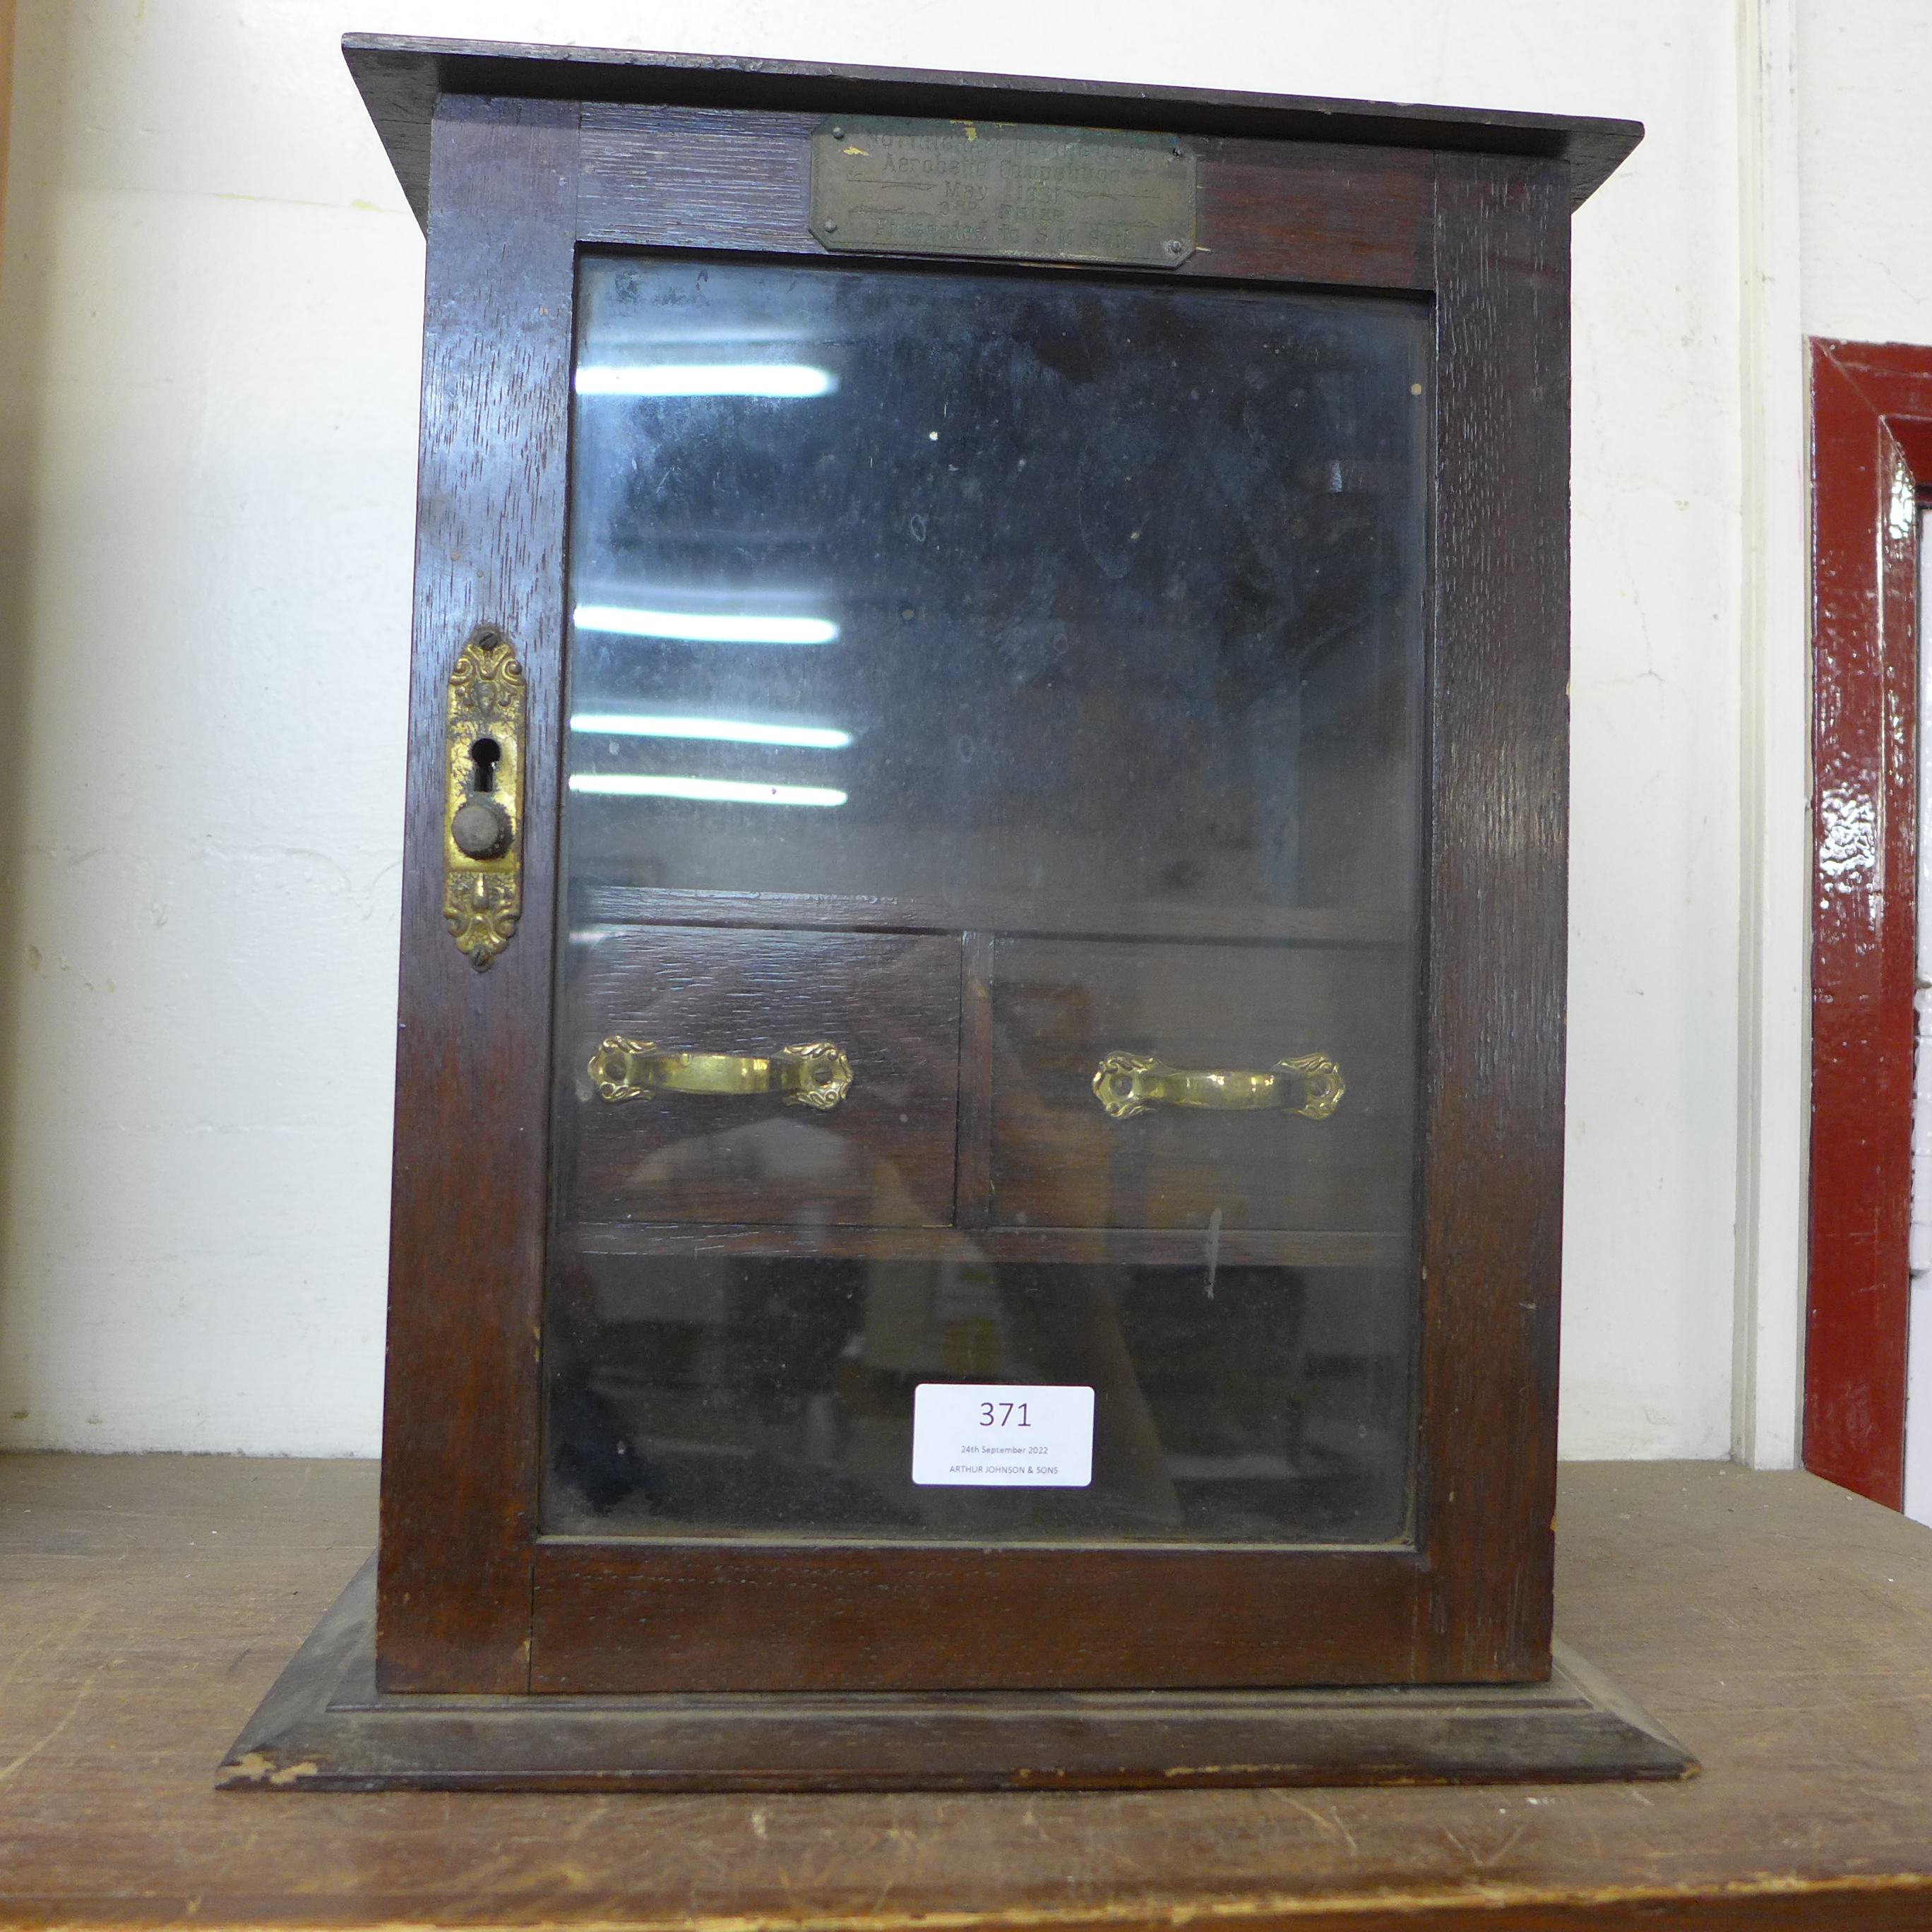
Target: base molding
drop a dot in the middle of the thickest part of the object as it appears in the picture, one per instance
(325, 1726)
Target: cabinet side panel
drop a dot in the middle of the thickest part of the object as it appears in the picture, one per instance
(460, 1433)
(1493, 1177)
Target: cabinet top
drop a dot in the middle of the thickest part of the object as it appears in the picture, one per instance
(401, 78)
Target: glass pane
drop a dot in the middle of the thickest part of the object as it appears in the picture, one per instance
(1066, 633)
(698, 1393)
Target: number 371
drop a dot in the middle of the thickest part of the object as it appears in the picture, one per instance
(1000, 1415)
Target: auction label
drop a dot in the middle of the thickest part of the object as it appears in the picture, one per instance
(1003, 1436)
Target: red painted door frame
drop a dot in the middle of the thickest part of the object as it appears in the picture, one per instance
(1871, 452)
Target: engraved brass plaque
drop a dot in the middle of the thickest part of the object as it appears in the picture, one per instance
(991, 188)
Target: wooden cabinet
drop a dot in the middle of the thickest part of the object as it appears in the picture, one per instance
(1019, 848)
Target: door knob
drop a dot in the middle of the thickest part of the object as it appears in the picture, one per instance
(481, 829)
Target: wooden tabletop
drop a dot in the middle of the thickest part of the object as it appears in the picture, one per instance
(1782, 1627)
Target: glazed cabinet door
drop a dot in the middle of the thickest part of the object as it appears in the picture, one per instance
(1038, 660)
(1020, 1104)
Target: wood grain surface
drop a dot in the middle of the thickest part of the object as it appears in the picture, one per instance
(1492, 1131)
(1304, 211)
(732, 1616)
(471, 1185)
(1783, 1627)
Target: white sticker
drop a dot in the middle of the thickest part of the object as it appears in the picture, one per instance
(1003, 1436)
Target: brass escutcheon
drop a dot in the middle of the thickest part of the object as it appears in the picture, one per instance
(483, 796)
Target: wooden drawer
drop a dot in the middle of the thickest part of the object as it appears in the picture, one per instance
(1058, 1159)
(883, 1156)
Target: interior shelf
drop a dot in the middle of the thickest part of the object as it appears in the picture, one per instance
(592, 905)
(1149, 1247)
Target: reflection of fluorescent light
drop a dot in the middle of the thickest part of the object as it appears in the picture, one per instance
(706, 379)
(694, 628)
(730, 731)
(730, 791)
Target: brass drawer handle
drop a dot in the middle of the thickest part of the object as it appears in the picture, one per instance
(817, 1074)
(1127, 1083)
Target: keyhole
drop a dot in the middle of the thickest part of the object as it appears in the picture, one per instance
(484, 754)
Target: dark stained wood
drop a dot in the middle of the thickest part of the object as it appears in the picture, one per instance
(325, 1727)
(1151, 919)
(1492, 1121)
(1871, 450)
(712, 178)
(1295, 211)
(690, 1614)
(473, 1065)
(400, 78)
(1782, 1627)
(1301, 1248)
(696, 178)
(1058, 1161)
(883, 1157)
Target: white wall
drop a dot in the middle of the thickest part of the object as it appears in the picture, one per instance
(207, 332)
(1864, 84)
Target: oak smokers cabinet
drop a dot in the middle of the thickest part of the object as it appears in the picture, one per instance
(978, 1119)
